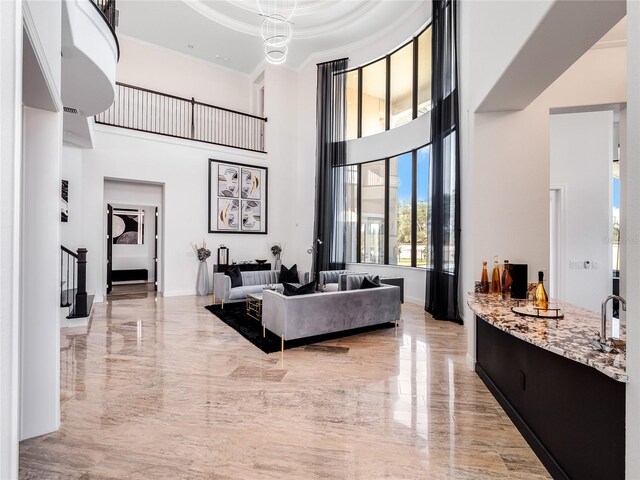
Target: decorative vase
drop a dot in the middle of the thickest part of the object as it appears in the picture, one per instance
(202, 282)
(278, 262)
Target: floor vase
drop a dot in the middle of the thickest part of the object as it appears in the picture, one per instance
(202, 282)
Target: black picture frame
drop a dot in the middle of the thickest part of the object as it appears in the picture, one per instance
(241, 196)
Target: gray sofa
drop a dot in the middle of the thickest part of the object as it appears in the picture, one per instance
(252, 282)
(335, 280)
(354, 281)
(320, 313)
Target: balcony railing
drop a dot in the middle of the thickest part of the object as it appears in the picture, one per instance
(108, 9)
(149, 111)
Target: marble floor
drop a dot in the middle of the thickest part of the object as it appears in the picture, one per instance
(159, 388)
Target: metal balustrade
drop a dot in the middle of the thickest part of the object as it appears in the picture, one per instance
(145, 110)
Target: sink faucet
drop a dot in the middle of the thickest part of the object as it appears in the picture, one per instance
(603, 325)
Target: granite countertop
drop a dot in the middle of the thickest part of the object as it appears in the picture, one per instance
(568, 336)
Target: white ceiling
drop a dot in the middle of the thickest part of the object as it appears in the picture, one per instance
(227, 31)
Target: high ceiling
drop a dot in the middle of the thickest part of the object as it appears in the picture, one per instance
(227, 31)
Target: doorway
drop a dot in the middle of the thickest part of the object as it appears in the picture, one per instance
(580, 209)
(133, 253)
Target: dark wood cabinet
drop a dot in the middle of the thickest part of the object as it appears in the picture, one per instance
(244, 267)
(572, 416)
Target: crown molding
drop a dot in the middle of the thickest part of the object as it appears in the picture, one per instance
(345, 49)
(610, 44)
(298, 32)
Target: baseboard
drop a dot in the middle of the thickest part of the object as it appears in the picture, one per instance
(179, 293)
(415, 300)
(77, 322)
(471, 362)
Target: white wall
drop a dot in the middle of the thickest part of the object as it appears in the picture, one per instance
(499, 30)
(517, 150)
(581, 147)
(156, 68)
(281, 108)
(181, 167)
(40, 323)
(144, 197)
(630, 215)
(10, 192)
(414, 278)
(43, 21)
(505, 169)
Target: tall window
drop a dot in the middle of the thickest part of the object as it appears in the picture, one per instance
(423, 166)
(391, 91)
(401, 86)
(351, 213)
(372, 219)
(391, 201)
(400, 209)
(449, 204)
(353, 102)
(374, 98)
(424, 72)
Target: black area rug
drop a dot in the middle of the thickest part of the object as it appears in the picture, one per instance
(234, 315)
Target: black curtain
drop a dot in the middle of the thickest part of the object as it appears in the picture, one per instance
(331, 154)
(441, 299)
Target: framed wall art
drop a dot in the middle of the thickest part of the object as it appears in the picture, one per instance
(128, 226)
(237, 198)
(64, 201)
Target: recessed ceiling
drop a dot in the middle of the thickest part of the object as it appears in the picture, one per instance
(229, 29)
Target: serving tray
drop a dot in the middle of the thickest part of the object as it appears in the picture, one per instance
(551, 312)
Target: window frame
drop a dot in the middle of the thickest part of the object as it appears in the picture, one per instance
(414, 207)
(387, 59)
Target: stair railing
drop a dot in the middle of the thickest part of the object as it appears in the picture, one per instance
(73, 281)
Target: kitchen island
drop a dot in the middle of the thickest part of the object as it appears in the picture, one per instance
(567, 399)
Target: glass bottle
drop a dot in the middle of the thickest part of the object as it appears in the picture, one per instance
(506, 279)
(484, 279)
(495, 278)
(540, 299)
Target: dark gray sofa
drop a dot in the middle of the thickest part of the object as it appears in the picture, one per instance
(252, 282)
(320, 313)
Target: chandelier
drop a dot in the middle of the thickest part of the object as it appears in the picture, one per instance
(276, 28)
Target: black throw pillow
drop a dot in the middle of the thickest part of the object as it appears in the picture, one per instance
(292, 290)
(235, 275)
(289, 274)
(373, 283)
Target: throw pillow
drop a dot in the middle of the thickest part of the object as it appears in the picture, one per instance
(373, 283)
(235, 275)
(292, 290)
(289, 274)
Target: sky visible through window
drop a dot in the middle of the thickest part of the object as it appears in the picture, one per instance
(423, 174)
(404, 172)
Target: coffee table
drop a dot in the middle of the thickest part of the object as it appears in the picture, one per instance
(253, 306)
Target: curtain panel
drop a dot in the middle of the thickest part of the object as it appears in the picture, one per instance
(330, 233)
(441, 298)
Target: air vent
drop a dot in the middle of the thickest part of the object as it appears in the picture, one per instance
(71, 110)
